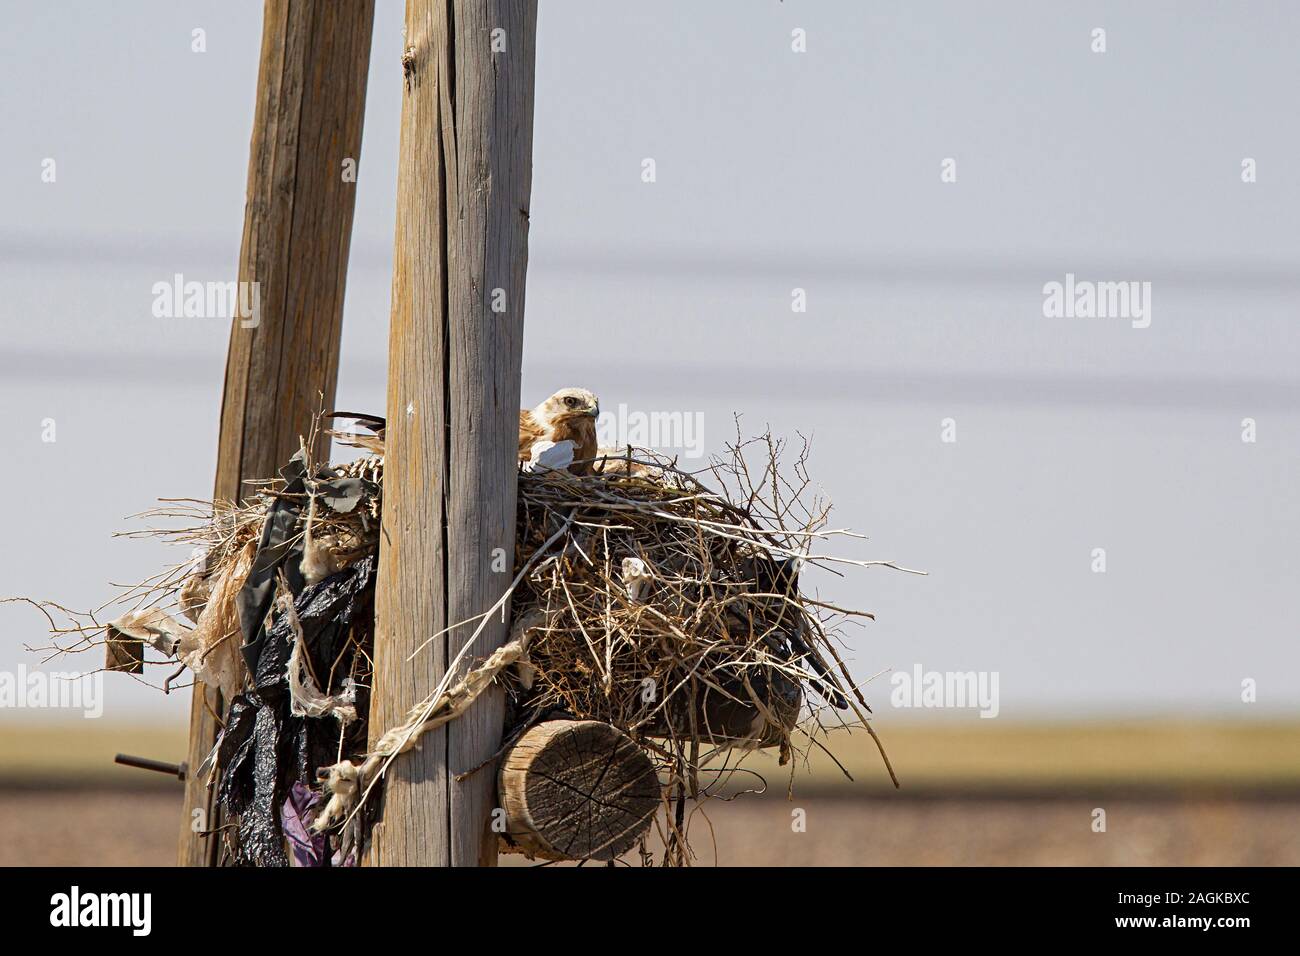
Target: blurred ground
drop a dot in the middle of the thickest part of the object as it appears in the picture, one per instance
(47, 828)
(974, 794)
(940, 755)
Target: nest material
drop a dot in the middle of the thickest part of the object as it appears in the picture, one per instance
(667, 604)
(666, 611)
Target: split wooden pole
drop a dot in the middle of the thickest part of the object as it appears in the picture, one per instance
(455, 348)
(284, 340)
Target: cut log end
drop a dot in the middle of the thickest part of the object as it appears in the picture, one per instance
(577, 790)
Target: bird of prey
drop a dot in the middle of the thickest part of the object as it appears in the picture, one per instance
(568, 415)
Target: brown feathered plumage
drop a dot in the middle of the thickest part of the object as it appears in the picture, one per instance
(568, 415)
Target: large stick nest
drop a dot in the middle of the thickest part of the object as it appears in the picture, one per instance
(668, 610)
(669, 604)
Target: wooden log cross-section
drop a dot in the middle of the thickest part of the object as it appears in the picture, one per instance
(577, 790)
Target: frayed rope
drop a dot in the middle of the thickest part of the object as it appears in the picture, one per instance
(347, 782)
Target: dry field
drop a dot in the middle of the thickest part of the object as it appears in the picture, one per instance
(52, 828)
(1173, 795)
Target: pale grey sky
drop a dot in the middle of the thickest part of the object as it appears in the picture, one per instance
(775, 170)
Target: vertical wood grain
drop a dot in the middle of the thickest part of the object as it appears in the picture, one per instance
(464, 182)
(311, 90)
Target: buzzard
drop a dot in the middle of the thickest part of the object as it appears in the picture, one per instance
(568, 415)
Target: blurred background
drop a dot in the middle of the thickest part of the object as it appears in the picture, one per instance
(1164, 689)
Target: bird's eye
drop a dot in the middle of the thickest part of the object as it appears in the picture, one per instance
(571, 402)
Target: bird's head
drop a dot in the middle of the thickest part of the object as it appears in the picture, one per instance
(567, 403)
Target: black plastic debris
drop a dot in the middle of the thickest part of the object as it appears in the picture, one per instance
(235, 754)
(266, 754)
(277, 549)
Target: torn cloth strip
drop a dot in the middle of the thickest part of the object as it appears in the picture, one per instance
(297, 813)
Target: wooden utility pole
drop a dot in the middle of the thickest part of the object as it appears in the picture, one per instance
(455, 347)
(306, 144)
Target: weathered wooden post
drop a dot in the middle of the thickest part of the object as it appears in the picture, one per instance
(311, 91)
(455, 349)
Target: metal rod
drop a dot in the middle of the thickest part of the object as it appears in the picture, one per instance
(177, 770)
